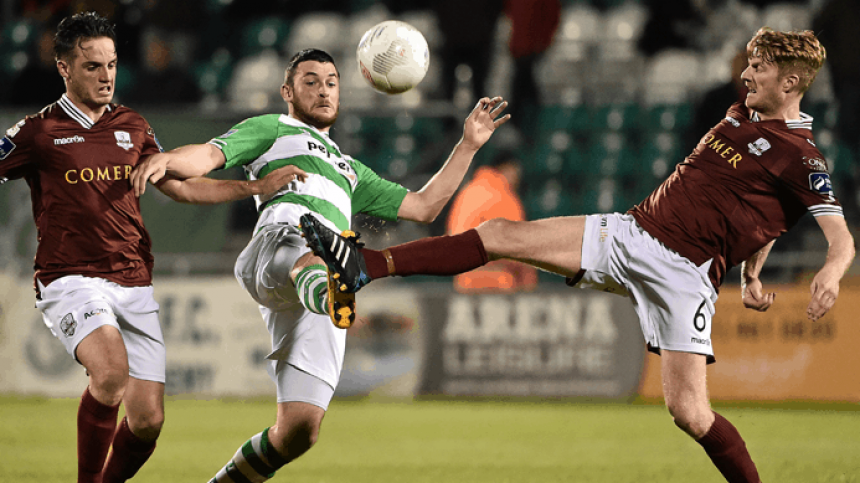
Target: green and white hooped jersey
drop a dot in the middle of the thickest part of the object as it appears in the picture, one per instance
(337, 185)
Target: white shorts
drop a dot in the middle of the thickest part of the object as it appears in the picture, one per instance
(74, 306)
(673, 297)
(296, 385)
(304, 339)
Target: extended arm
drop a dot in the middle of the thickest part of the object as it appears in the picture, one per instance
(184, 162)
(840, 254)
(751, 293)
(208, 191)
(425, 205)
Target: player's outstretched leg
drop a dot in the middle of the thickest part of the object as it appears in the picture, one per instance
(353, 266)
(341, 254)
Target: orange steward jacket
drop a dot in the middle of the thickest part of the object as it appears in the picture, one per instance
(488, 196)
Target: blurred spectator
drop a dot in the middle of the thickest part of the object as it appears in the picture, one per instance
(533, 26)
(469, 30)
(714, 104)
(836, 26)
(492, 193)
(45, 12)
(671, 24)
(39, 83)
(161, 79)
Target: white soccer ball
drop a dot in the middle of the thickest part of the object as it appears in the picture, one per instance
(393, 56)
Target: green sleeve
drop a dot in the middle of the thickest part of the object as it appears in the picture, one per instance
(247, 140)
(376, 196)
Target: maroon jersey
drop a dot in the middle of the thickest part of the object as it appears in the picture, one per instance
(746, 183)
(87, 217)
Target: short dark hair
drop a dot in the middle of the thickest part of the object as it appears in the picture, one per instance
(80, 26)
(305, 55)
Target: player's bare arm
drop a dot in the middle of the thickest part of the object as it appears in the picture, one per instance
(751, 287)
(208, 191)
(425, 205)
(183, 162)
(840, 254)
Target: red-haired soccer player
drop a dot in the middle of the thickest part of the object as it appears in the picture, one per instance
(750, 179)
(94, 263)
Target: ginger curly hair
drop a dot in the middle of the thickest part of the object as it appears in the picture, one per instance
(796, 52)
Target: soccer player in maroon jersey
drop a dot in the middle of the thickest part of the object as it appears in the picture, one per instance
(749, 180)
(94, 262)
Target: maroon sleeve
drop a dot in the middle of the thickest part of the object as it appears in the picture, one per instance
(808, 178)
(150, 142)
(16, 148)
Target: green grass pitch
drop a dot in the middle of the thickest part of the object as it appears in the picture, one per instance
(453, 441)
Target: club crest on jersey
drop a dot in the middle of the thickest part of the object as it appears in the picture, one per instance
(820, 183)
(68, 325)
(6, 147)
(123, 140)
(759, 146)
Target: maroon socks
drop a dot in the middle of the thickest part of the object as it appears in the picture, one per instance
(728, 451)
(96, 424)
(128, 455)
(441, 255)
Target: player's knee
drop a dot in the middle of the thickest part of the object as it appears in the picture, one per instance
(496, 236)
(298, 438)
(109, 383)
(693, 421)
(147, 426)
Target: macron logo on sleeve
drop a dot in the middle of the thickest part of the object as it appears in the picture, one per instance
(6, 147)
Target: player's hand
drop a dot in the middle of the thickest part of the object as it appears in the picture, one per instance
(152, 169)
(753, 298)
(824, 289)
(483, 121)
(277, 179)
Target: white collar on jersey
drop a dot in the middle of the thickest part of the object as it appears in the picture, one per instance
(291, 121)
(78, 115)
(805, 121)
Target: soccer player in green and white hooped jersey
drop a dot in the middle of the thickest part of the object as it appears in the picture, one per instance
(278, 269)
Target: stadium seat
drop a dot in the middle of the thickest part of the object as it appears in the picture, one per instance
(623, 26)
(615, 117)
(396, 157)
(787, 16)
(671, 76)
(667, 117)
(12, 63)
(551, 198)
(600, 196)
(212, 76)
(320, 30)
(659, 154)
(545, 162)
(254, 82)
(612, 155)
(262, 34)
(18, 35)
(557, 117)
